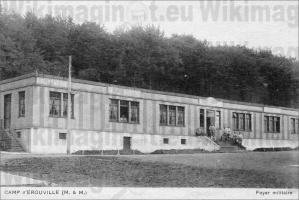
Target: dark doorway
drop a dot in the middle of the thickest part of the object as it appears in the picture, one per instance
(127, 143)
(7, 111)
(210, 120)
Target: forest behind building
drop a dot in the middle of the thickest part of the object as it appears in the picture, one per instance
(144, 57)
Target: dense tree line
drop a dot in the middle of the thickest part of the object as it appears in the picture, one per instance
(144, 57)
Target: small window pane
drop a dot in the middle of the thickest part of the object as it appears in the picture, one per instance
(134, 112)
(22, 104)
(181, 116)
(242, 121)
(271, 124)
(293, 125)
(55, 104)
(65, 104)
(124, 111)
(202, 118)
(248, 122)
(113, 110)
(217, 120)
(172, 115)
(277, 124)
(165, 140)
(235, 121)
(163, 114)
(62, 136)
(183, 141)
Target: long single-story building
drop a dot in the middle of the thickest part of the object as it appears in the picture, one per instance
(33, 109)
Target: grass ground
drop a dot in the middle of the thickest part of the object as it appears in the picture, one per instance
(252, 169)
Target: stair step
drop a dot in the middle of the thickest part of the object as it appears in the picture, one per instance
(9, 142)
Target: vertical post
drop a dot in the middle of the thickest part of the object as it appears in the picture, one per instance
(205, 121)
(0, 7)
(69, 106)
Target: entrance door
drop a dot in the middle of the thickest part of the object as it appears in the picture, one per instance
(7, 111)
(210, 120)
(127, 143)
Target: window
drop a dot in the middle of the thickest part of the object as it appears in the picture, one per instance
(276, 124)
(59, 104)
(18, 134)
(65, 103)
(294, 126)
(172, 115)
(271, 124)
(183, 141)
(201, 118)
(242, 121)
(163, 114)
(247, 121)
(165, 140)
(124, 111)
(181, 116)
(235, 121)
(55, 104)
(62, 136)
(266, 124)
(113, 110)
(217, 120)
(22, 104)
(134, 112)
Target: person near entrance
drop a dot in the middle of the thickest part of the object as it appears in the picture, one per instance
(226, 134)
(212, 131)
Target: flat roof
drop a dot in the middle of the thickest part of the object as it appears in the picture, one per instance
(74, 80)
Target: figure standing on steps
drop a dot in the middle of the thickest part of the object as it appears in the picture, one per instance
(212, 131)
(226, 135)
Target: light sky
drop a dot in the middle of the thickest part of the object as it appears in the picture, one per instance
(257, 24)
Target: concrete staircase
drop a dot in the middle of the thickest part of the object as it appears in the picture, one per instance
(8, 142)
(229, 147)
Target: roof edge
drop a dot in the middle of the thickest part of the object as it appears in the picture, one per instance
(17, 78)
(75, 80)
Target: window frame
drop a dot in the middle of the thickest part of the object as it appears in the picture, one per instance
(270, 124)
(22, 103)
(59, 100)
(163, 115)
(165, 140)
(118, 106)
(172, 115)
(201, 118)
(248, 121)
(65, 106)
(176, 115)
(240, 121)
(180, 111)
(62, 105)
(217, 119)
(295, 129)
(62, 136)
(183, 141)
